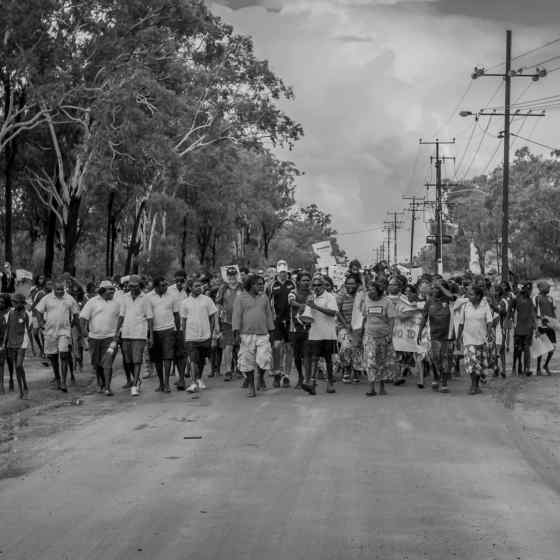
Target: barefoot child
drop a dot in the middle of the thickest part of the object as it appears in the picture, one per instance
(18, 337)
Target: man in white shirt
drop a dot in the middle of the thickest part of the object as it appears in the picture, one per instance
(198, 314)
(165, 307)
(321, 311)
(100, 316)
(134, 326)
(179, 292)
(57, 311)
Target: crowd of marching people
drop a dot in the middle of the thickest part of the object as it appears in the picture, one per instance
(377, 326)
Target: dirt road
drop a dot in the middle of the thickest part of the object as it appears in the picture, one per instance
(285, 476)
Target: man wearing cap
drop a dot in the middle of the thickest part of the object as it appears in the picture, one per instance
(282, 351)
(165, 307)
(100, 317)
(224, 300)
(135, 322)
(58, 311)
(179, 292)
(321, 310)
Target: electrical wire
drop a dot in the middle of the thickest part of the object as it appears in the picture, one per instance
(529, 102)
(536, 143)
(463, 155)
(457, 106)
(542, 62)
(378, 228)
(484, 134)
(526, 53)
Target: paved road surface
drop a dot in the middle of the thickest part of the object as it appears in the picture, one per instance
(288, 477)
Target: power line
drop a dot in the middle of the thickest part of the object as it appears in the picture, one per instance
(536, 143)
(456, 108)
(464, 154)
(378, 228)
(484, 134)
(542, 62)
(526, 53)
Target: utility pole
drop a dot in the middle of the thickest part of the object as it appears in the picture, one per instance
(507, 76)
(395, 225)
(388, 228)
(415, 204)
(439, 207)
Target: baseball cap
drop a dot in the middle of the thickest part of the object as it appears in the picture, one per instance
(134, 279)
(281, 266)
(125, 279)
(104, 284)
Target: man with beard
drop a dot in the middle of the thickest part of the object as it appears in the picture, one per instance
(282, 352)
(166, 323)
(224, 300)
(100, 317)
(299, 329)
(58, 311)
(179, 292)
(253, 324)
(525, 324)
(198, 319)
(321, 310)
(135, 325)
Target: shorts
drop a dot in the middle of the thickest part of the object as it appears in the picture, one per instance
(281, 330)
(322, 348)
(522, 341)
(57, 343)
(164, 346)
(255, 352)
(198, 351)
(16, 355)
(97, 349)
(133, 350)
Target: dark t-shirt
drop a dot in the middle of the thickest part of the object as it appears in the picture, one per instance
(526, 314)
(279, 298)
(439, 315)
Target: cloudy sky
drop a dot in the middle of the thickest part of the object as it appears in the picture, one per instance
(371, 77)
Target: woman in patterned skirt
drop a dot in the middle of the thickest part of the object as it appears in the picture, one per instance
(476, 331)
(378, 317)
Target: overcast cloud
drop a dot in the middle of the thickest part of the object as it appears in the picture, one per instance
(373, 76)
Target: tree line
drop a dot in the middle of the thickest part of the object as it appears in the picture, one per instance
(139, 135)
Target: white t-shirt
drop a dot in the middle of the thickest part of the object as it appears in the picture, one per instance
(163, 308)
(197, 312)
(323, 326)
(180, 295)
(102, 316)
(475, 323)
(136, 313)
(58, 313)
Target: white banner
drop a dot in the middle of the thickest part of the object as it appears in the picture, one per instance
(405, 331)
